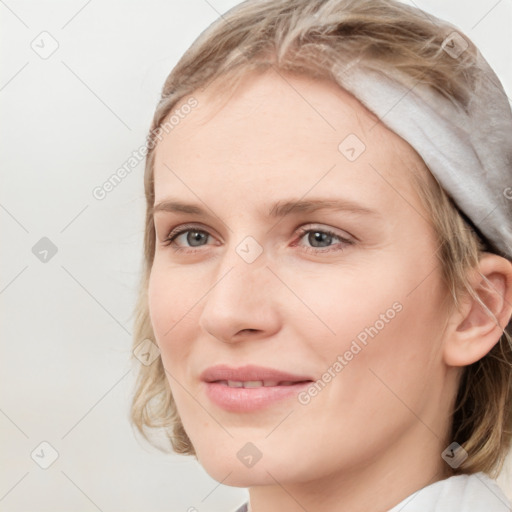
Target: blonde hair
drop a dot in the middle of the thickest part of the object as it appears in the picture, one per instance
(313, 38)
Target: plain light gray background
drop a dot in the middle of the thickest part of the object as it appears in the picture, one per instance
(68, 122)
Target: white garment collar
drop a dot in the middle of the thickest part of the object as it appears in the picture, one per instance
(460, 493)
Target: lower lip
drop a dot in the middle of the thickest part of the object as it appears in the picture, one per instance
(250, 399)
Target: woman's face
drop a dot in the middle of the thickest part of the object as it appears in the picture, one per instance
(348, 293)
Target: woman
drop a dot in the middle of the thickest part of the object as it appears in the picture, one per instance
(328, 251)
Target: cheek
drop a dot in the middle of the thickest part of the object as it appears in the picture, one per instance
(395, 371)
(341, 304)
(171, 301)
(368, 389)
(387, 334)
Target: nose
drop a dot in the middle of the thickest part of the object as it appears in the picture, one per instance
(243, 301)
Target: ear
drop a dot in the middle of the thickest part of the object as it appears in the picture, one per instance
(471, 331)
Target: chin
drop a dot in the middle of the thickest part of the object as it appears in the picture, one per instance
(221, 458)
(240, 477)
(246, 465)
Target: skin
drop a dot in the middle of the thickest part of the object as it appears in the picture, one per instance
(375, 433)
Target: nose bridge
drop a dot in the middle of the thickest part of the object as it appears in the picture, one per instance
(240, 298)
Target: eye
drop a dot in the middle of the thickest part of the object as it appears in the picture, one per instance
(321, 240)
(188, 237)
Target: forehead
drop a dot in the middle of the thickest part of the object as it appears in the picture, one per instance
(286, 132)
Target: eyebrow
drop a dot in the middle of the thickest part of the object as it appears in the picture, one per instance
(278, 210)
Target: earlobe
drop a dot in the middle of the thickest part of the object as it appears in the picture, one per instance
(474, 329)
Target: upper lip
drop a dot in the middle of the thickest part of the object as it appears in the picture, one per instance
(249, 373)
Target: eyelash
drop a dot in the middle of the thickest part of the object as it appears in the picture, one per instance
(169, 241)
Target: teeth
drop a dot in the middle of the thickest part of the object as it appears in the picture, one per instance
(253, 383)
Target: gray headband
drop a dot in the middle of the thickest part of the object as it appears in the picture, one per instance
(468, 151)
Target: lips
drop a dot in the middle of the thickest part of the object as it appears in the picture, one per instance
(250, 388)
(251, 376)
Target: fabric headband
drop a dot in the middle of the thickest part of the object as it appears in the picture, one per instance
(468, 150)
